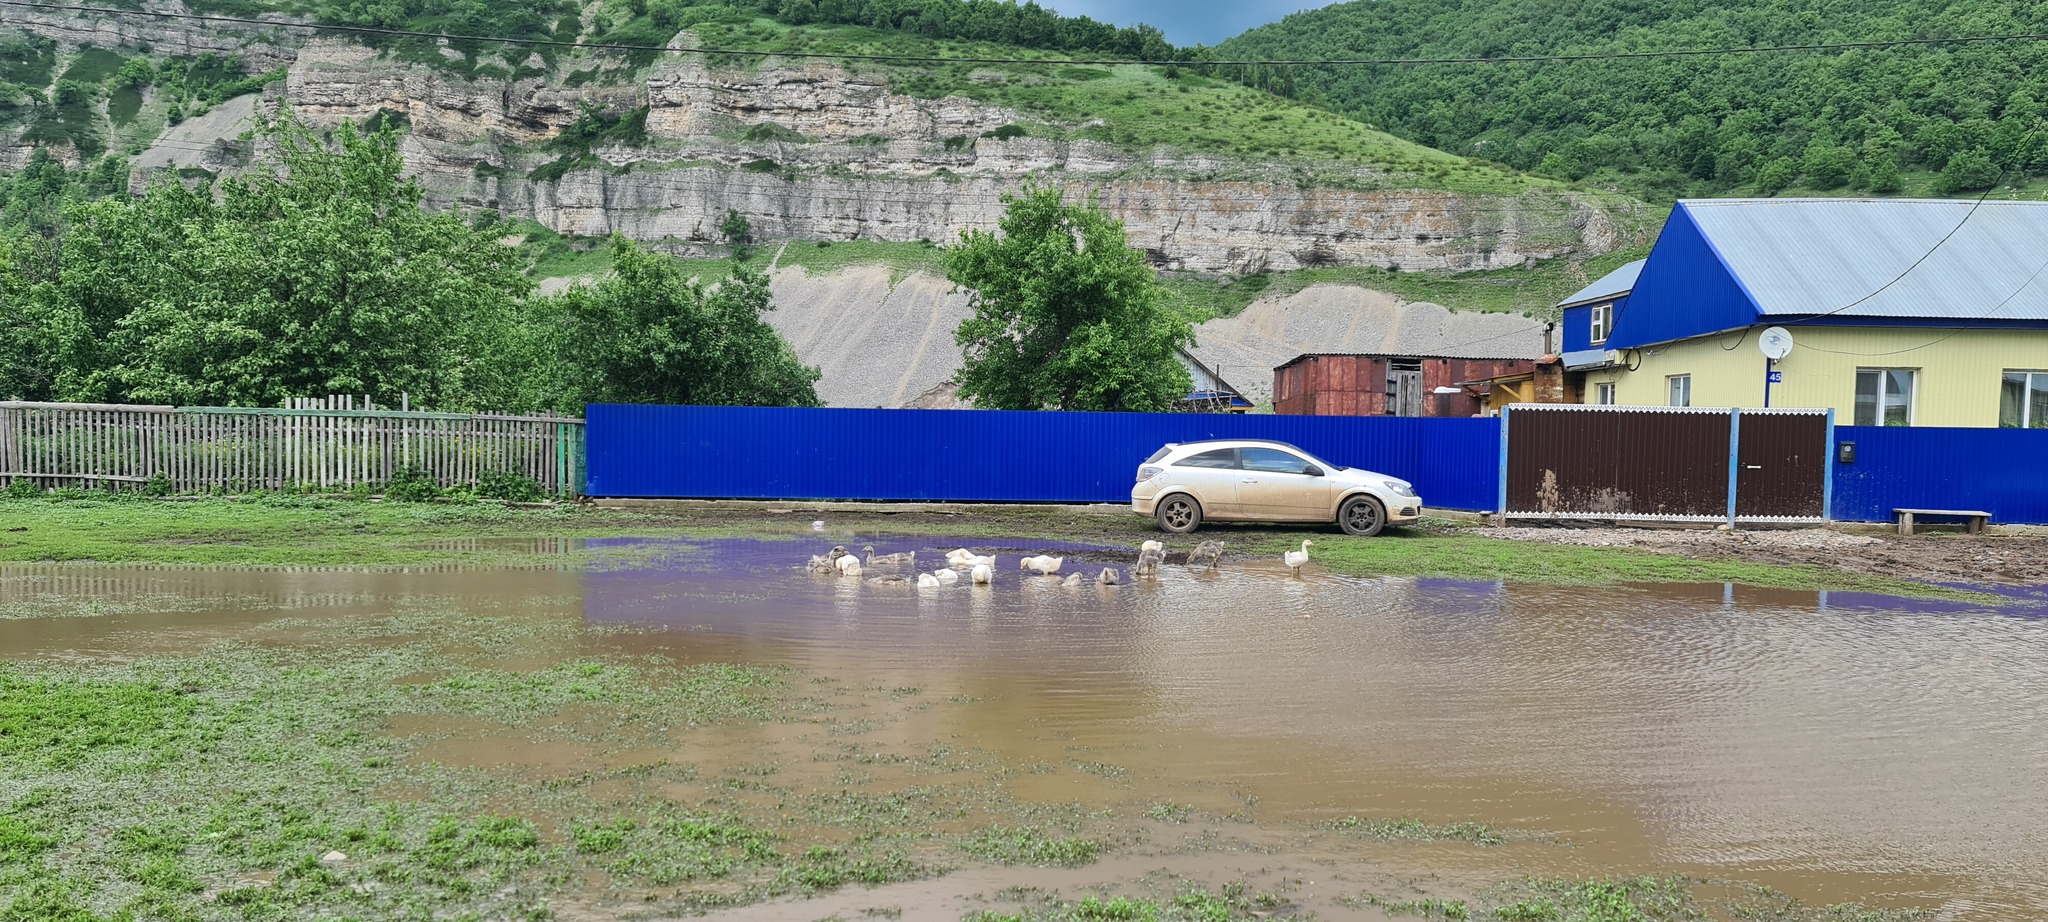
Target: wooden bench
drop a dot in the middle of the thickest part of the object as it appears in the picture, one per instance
(1976, 524)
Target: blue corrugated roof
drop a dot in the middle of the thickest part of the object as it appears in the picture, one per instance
(1611, 285)
(1819, 256)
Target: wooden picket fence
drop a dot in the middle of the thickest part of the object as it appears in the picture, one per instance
(324, 442)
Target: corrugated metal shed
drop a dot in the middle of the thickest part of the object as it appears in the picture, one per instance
(1607, 287)
(1811, 256)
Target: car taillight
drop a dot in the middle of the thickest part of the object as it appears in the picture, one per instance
(1148, 472)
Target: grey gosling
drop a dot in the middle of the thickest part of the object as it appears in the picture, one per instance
(1211, 551)
(907, 559)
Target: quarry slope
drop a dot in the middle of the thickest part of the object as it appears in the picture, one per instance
(884, 344)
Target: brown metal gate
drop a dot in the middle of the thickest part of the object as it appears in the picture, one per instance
(1783, 458)
(1670, 463)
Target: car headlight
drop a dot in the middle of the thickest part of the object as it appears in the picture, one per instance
(1400, 488)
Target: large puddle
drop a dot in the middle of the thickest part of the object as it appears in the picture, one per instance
(1836, 747)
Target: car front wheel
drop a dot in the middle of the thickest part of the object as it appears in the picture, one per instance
(1362, 516)
(1179, 514)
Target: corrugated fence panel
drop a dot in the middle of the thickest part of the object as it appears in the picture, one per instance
(1999, 471)
(991, 456)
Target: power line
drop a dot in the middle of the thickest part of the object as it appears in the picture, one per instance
(943, 59)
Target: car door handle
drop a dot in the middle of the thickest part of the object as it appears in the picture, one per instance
(1754, 467)
(1249, 480)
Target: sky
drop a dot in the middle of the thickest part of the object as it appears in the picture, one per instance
(1186, 22)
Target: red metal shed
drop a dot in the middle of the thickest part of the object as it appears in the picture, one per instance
(1352, 384)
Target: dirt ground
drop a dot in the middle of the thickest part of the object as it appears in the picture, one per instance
(1937, 557)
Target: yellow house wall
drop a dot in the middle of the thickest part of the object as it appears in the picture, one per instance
(1957, 385)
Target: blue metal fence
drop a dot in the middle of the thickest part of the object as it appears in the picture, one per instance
(992, 456)
(2000, 471)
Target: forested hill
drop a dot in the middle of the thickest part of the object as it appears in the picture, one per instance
(1944, 119)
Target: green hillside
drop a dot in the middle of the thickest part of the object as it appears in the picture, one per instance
(1946, 119)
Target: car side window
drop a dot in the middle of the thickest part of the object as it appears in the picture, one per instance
(1273, 461)
(1223, 458)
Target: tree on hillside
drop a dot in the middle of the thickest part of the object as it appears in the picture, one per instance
(1067, 316)
(649, 333)
(318, 272)
(25, 362)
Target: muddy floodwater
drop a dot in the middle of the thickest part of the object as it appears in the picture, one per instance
(1834, 747)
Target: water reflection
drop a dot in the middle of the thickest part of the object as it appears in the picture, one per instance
(1747, 730)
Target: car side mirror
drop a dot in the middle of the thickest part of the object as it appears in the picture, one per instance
(1312, 471)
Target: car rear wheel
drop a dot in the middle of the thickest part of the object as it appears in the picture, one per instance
(1179, 514)
(1362, 516)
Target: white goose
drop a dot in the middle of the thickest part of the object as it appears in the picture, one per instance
(1071, 582)
(1149, 559)
(849, 565)
(946, 577)
(927, 581)
(1108, 578)
(1294, 559)
(989, 562)
(1159, 546)
(1045, 564)
(984, 574)
(959, 558)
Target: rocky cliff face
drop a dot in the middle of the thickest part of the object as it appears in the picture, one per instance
(817, 153)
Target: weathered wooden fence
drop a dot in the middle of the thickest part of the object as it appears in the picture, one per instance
(317, 442)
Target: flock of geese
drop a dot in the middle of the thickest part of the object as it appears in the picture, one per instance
(981, 570)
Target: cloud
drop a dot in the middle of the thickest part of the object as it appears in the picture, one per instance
(1186, 22)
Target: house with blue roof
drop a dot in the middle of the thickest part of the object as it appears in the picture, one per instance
(1899, 312)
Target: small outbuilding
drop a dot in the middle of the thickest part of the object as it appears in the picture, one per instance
(1354, 384)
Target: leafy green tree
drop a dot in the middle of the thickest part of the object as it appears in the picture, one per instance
(317, 272)
(1067, 315)
(1777, 175)
(649, 333)
(1827, 166)
(26, 365)
(1969, 171)
(738, 231)
(1884, 176)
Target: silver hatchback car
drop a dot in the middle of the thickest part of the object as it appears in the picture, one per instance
(1254, 480)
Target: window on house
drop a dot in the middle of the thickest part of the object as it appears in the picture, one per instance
(1603, 393)
(1603, 320)
(1884, 396)
(2023, 400)
(1680, 388)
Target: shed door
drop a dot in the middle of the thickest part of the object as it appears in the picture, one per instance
(1784, 459)
(1404, 388)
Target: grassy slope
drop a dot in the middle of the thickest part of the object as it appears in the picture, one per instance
(307, 531)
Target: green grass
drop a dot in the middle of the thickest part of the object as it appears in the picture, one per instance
(1417, 830)
(210, 786)
(1030, 845)
(272, 530)
(92, 65)
(1233, 902)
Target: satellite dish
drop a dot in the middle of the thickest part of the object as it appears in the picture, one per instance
(1776, 343)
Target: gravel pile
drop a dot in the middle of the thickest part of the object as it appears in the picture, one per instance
(1341, 318)
(890, 344)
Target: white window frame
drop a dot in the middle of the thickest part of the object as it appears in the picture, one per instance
(1673, 384)
(1603, 393)
(1884, 376)
(1601, 324)
(2026, 405)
